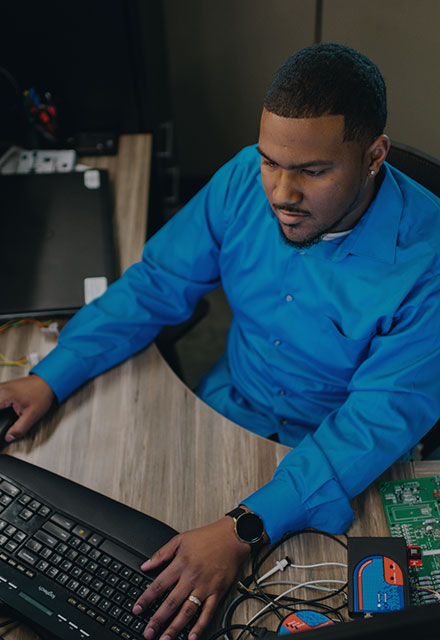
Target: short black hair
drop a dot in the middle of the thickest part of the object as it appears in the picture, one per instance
(331, 79)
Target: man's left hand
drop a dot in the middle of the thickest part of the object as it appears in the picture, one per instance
(202, 564)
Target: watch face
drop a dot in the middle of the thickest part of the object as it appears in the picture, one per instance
(249, 527)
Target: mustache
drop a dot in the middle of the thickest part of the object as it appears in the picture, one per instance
(290, 208)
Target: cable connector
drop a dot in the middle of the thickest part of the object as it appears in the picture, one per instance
(51, 330)
(280, 565)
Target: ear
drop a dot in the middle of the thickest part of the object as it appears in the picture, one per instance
(377, 153)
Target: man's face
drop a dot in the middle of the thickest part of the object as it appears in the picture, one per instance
(315, 182)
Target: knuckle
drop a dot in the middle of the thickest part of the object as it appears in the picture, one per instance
(171, 603)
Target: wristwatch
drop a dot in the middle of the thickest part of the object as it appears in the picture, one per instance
(248, 526)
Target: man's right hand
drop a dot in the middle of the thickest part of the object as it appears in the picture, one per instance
(30, 398)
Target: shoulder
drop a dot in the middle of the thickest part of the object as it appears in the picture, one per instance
(420, 218)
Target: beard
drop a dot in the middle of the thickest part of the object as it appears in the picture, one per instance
(316, 236)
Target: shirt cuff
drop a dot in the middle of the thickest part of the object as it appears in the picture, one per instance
(62, 371)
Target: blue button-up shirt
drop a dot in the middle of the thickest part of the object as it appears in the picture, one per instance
(335, 347)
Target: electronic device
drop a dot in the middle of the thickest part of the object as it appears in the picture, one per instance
(377, 575)
(414, 622)
(57, 242)
(303, 620)
(7, 419)
(412, 509)
(70, 557)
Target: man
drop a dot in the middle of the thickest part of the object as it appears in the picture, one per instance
(329, 259)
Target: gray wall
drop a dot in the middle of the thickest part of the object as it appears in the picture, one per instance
(222, 55)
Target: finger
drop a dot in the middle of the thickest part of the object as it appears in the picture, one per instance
(162, 555)
(164, 581)
(209, 607)
(175, 602)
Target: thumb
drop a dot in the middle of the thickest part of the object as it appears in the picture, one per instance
(21, 426)
(162, 555)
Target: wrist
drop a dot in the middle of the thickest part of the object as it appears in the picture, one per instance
(248, 527)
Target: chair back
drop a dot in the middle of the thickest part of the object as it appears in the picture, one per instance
(419, 166)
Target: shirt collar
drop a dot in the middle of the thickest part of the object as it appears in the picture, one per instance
(375, 235)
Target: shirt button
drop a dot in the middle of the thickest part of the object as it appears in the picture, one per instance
(283, 421)
(277, 343)
(282, 392)
(289, 298)
(302, 253)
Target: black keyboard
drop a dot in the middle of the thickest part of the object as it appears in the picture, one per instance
(70, 557)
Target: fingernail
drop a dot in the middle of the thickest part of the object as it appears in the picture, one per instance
(145, 564)
(9, 437)
(149, 633)
(137, 609)
(167, 637)
(193, 636)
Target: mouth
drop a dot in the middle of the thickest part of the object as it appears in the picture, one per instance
(290, 218)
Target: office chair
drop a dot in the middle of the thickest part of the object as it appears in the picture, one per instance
(424, 169)
(419, 166)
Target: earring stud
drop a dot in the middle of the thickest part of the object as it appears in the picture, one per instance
(372, 172)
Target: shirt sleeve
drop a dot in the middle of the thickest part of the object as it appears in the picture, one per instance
(394, 399)
(179, 265)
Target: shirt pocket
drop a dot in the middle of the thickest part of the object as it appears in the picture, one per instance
(348, 352)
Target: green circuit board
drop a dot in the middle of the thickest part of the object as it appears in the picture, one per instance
(412, 509)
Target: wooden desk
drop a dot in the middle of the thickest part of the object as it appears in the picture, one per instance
(138, 435)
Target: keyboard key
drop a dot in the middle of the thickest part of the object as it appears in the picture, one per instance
(56, 558)
(24, 499)
(82, 561)
(43, 511)
(72, 554)
(104, 605)
(45, 552)
(28, 556)
(34, 545)
(138, 626)
(56, 531)
(83, 591)
(102, 572)
(26, 514)
(115, 612)
(10, 530)
(136, 579)
(123, 586)
(3, 524)
(97, 585)
(118, 598)
(107, 591)
(127, 619)
(134, 592)
(72, 585)
(62, 578)
(44, 537)
(34, 505)
(61, 547)
(66, 565)
(115, 566)
(9, 488)
(20, 536)
(86, 578)
(95, 539)
(94, 598)
(11, 546)
(76, 572)
(75, 542)
(5, 500)
(125, 572)
(62, 521)
(82, 532)
(101, 619)
(94, 554)
(42, 565)
(85, 548)
(52, 572)
(91, 566)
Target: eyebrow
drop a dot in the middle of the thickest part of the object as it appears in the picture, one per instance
(303, 165)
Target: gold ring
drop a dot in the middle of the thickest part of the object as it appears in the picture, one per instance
(195, 600)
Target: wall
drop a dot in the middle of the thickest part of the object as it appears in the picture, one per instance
(222, 56)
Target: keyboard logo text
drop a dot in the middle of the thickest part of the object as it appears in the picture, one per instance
(46, 592)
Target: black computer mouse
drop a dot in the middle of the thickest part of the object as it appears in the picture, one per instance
(7, 419)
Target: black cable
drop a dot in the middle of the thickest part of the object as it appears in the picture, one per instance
(225, 630)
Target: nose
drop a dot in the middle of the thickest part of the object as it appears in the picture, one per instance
(287, 188)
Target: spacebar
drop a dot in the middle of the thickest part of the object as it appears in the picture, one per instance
(127, 557)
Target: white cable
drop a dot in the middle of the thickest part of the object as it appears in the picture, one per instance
(291, 582)
(319, 564)
(280, 565)
(298, 586)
